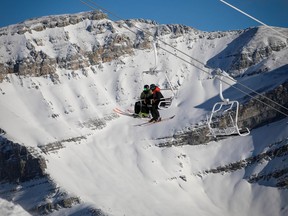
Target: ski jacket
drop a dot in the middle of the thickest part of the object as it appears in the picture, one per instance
(157, 95)
(146, 94)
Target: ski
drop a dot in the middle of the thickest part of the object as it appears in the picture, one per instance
(150, 123)
(121, 112)
(128, 113)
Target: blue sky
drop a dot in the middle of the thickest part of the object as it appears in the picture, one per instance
(207, 15)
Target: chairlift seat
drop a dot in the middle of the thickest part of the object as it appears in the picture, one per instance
(220, 109)
(165, 103)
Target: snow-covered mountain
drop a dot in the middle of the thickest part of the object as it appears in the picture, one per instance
(65, 152)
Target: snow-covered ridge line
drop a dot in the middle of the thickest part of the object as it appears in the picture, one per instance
(42, 23)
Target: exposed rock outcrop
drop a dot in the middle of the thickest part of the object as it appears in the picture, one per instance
(59, 21)
(251, 56)
(17, 164)
(249, 51)
(36, 62)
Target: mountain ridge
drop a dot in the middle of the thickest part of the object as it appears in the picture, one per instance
(61, 80)
(42, 54)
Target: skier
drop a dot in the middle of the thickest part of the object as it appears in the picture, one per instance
(141, 107)
(155, 100)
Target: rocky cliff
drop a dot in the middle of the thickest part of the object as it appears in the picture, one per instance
(17, 164)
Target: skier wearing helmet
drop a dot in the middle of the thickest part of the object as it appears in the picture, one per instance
(141, 107)
(155, 100)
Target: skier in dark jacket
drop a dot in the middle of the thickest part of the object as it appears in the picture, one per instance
(155, 100)
(141, 107)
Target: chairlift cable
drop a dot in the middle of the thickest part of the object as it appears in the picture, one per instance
(253, 18)
(176, 49)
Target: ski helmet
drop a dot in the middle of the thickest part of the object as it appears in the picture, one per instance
(146, 87)
(152, 86)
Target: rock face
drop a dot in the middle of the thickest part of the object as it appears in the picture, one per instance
(60, 21)
(252, 55)
(17, 164)
(254, 114)
(247, 53)
(36, 62)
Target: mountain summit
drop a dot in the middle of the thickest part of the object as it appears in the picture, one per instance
(63, 151)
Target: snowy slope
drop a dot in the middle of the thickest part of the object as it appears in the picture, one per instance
(117, 167)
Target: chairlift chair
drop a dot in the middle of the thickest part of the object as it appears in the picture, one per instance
(221, 109)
